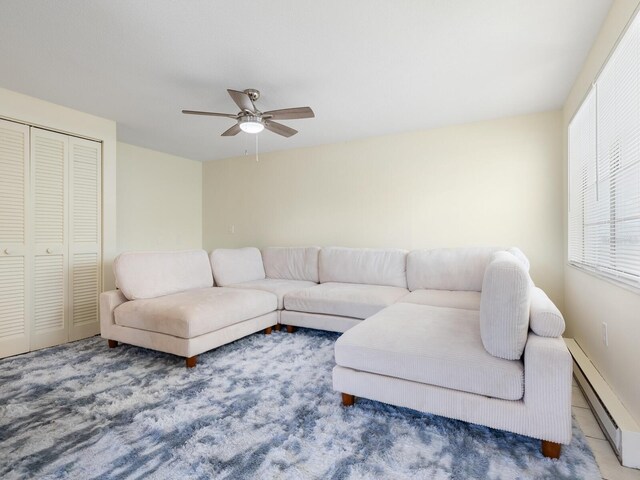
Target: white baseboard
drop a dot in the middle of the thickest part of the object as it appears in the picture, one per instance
(622, 431)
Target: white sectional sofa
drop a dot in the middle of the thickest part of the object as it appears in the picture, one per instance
(462, 333)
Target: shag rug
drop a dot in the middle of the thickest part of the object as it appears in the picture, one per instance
(262, 407)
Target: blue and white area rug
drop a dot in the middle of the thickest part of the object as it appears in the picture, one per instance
(260, 408)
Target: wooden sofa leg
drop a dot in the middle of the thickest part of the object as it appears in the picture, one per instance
(267, 331)
(277, 326)
(291, 329)
(551, 449)
(191, 361)
(112, 343)
(348, 399)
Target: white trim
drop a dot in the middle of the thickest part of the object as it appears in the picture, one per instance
(622, 431)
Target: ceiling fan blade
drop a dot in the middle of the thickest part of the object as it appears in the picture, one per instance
(242, 100)
(232, 131)
(280, 129)
(211, 114)
(290, 113)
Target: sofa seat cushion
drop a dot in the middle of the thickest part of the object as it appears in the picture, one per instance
(444, 298)
(276, 286)
(344, 299)
(196, 312)
(431, 345)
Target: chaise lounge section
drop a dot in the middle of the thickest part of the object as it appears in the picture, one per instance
(167, 302)
(494, 359)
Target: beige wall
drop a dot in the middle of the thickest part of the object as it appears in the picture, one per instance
(158, 196)
(159, 200)
(489, 183)
(590, 301)
(33, 111)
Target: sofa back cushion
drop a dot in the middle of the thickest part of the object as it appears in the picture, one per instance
(291, 263)
(154, 274)
(236, 265)
(519, 254)
(448, 268)
(363, 265)
(504, 306)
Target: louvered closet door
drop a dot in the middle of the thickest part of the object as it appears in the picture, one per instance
(14, 259)
(49, 181)
(84, 248)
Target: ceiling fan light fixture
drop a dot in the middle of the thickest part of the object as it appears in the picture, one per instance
(251, 124)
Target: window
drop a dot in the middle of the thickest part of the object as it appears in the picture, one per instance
(604, 168)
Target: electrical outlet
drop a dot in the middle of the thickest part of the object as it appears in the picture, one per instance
(605, 334)
(232, 229)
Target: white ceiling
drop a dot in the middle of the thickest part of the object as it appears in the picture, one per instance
(366, 67)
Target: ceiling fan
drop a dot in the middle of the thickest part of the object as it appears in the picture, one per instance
(251, 120)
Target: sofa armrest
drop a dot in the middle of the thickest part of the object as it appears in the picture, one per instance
(544, 317)
(108, 303)
(548, 368)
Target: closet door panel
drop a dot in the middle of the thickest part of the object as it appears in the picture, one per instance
(85, 236)
(50, 187)
(14, 260)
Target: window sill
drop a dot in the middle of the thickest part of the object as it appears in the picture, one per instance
(612, 279)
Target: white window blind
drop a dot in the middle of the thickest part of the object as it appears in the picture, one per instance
(604, 168)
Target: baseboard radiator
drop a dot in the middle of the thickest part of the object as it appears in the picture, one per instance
(622, 431)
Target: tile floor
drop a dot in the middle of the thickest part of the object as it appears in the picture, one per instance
(607, 461)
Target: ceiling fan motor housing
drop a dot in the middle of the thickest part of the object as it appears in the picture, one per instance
(253, 94)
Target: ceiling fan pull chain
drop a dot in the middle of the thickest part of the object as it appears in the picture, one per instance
(257, 157)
